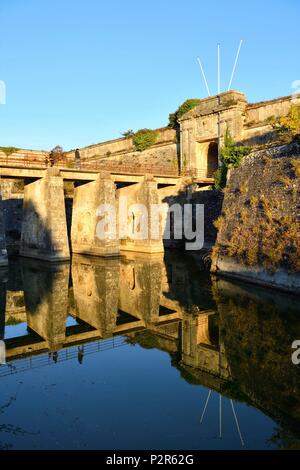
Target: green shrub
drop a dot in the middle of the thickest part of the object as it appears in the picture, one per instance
(231, 155)
(144, 138)
(220, 177)
(183, 108)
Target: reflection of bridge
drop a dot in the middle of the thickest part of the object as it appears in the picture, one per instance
(41, 358)
(108, 298)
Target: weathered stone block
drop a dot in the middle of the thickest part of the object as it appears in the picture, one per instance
(142, 230)
(44, 226)
(88, 199)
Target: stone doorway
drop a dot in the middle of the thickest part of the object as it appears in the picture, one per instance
(212, 158)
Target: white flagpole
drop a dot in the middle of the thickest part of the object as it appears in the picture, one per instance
(203, 75)
(237, 423)
(220, 411)
(205, 406)
(235, 63)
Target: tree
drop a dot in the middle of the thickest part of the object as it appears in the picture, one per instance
(128, 133)
(56, 155)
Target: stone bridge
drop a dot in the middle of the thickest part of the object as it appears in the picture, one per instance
(44, 222)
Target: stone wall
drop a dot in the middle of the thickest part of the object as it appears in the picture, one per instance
(256, 129)
(163, 153)
(259, 230)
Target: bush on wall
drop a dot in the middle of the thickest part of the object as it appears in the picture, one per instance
(144, 138)
(231, 155)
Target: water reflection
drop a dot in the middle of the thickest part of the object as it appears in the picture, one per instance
(234, 340)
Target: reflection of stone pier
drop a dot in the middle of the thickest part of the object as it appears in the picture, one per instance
(140, 286)
(3, 252)
(46, 300)
(96, 291)
(3, 280)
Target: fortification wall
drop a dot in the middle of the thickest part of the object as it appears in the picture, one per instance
(259, 230)
(163, 153)
(257, 129)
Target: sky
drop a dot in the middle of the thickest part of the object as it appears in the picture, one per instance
(78, 72)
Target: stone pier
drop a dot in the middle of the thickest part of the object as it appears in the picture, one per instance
(140, 229)
(44, 226)
(3, 251)
(88, 200)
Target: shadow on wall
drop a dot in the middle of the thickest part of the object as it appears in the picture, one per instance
(12, 210)
(212, 201)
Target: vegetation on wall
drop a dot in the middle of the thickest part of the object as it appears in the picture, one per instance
(231, 155)
(183, 108)
(8, 150)
(287, 127)
(144, 138)
(264, 231)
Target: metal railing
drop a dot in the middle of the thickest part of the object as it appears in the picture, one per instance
(40, 161)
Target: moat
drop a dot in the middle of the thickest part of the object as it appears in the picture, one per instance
(144, 352)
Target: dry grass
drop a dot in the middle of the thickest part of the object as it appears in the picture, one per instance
(296, 167)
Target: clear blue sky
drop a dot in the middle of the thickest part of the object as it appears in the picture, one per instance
(81, 71)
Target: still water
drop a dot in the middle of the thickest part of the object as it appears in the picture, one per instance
(144, 352)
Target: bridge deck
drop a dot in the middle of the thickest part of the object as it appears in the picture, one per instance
(73, 174)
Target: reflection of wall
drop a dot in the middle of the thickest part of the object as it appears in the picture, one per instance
(198, 347)
(46, 299)
(96, 289)
(258, 328)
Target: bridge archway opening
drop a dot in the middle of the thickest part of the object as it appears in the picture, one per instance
(207, 157)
